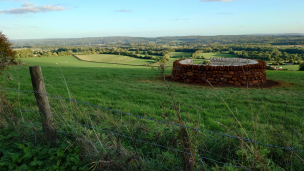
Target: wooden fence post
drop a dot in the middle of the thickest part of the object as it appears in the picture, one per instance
(43, 104)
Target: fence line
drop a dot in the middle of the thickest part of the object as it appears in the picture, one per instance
(32, 124)
(197, 129)
(132, 138)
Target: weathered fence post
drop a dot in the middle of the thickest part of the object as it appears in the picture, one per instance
(43, 104)
(188, 163)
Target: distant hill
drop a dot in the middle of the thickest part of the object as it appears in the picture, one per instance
(277, 34)
(277, 39)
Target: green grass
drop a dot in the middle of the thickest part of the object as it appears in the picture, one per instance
(209, 55)
(289, 67)
(109, 58)
(141, 91)
(288, 46)
(120, 59)
(179, 54)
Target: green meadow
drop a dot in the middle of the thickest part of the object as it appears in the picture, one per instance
(120, 59)
(290, 67)
(139, 90)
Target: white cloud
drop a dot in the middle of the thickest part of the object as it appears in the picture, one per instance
(123, 10)
(27, 8)
(216, 0)
(27, 4)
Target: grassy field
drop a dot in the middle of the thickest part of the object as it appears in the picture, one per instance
(289, 46)
(209, 55)
(109, 58)
(141, 91)
(119, 59)
(290, 67)
(141, 88)
(179, 54)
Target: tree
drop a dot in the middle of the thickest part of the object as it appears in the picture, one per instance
(301, 67)
(7, 55)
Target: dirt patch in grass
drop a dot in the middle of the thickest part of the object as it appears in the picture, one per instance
(268, 84)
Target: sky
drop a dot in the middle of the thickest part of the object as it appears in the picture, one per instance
(40, 19)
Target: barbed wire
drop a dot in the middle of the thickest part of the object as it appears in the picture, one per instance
(132, 138)
(96, 144)
(152, 119)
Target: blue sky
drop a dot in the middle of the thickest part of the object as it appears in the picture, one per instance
(30, 19)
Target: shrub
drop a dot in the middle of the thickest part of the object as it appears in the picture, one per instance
(207, 62)
(270, 68)
(301, 67)
(7, 55)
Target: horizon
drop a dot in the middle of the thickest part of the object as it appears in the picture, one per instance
(257, 34)
(33, 19)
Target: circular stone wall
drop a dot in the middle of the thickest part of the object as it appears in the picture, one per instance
(233, 71)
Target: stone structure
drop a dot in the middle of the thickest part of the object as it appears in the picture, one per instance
(231, 71)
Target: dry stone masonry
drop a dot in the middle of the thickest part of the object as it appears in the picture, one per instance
(231, 71)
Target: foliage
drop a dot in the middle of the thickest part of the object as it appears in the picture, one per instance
(261, 157)
(24, 155)
(7, 55)
(301, 67)
(207, 62)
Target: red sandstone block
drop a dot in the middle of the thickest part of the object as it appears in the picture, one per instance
(250, 76)
(230, 82)
(210, 79)
(231, 73)
(213, 82)
(237, 83)
(215, 72)
(227, 76)
(255, 82)
(234, 79)
(224, 80)
(190, 73)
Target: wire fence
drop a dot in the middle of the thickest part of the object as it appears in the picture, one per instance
(197, 129)
(143, 141)
(29, 123)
